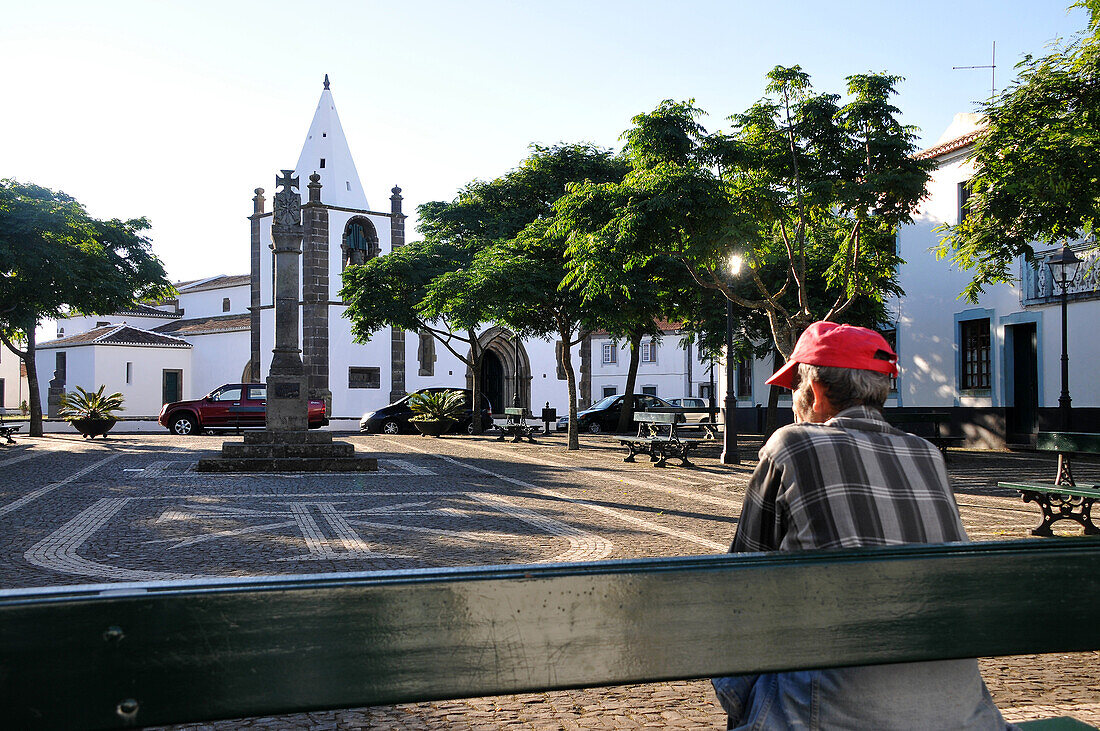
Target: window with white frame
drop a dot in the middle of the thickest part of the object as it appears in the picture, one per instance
(649, 351)
(610, 353)
(649, 390)
(608, 391)
(129, 372)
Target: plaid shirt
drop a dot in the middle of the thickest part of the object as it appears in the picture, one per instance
(850, 482)
(853, 481)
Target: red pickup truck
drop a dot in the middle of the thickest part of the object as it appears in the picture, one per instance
(232, 406)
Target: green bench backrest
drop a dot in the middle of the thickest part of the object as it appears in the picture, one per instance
(658, 418)
(155, 653)
(1060, 441)
(511, 411)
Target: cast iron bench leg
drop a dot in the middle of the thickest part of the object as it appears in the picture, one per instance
(1061, 507)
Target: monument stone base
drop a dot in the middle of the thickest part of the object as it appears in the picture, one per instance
(288, 451)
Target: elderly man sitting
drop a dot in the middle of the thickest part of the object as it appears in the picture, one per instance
(841, 477)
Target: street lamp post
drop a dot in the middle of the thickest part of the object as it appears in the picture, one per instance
(515, 376)
(729, 427)
(1063, 268)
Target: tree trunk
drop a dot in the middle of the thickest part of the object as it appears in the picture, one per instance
(773, 401)
(34, 398)
(476, 356)
(571, 386)
(626, 414)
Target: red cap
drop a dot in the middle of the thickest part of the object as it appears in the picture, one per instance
(839, 346)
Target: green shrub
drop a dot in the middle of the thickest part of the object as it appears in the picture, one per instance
(87, 405)
(437, 405)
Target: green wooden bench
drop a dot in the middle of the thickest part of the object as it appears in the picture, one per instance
(516, 426)
(1063, 499)
(118, 655)
(657, 437)
(926, 425)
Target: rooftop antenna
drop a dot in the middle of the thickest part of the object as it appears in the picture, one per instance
(992, 66)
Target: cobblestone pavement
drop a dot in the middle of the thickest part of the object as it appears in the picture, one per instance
(130, 508)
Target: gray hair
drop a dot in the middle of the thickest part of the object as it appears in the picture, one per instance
(848, 387)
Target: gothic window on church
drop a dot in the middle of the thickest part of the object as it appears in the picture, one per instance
(364, 377)
(360, 242)
(425, 353)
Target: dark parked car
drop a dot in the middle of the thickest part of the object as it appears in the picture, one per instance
(232, 406)
(394, 419)
(604, 414)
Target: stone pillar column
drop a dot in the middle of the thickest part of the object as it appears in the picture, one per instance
(254, 282)
(315, 296)
(397, 336)
(287, 392)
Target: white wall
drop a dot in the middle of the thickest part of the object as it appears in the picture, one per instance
(15, 388)
(216, 359)
(669, 373)
(92, 366)
(144, 392)
(927, 316)
(208, 302)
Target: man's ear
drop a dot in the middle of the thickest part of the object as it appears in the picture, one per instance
(822, 407)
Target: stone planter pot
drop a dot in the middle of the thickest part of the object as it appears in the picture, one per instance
(433, 428)
(92, 428)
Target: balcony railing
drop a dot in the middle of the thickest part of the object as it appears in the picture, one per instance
(1037, 285)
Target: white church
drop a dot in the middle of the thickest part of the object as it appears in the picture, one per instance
(994, 367)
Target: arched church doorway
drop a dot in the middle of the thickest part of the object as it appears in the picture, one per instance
(499, 368)
(492, 381)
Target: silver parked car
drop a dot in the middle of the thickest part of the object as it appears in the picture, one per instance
(701, 417)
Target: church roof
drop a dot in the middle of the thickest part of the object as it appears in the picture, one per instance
(206, 325)
(221, 281)
(141, 309)
(326, 153)
(117, 335)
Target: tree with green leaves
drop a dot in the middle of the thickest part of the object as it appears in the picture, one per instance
(529, 270)
(1036, 164)
(438, 287)
(462, 277)
(56, 261)
(484, 259)
(805, 191)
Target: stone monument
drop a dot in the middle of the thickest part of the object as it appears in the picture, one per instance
(287, 445)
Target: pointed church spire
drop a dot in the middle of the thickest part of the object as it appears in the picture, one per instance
(326, 153)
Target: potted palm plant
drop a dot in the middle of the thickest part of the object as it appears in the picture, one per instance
(92, 414)
(436, 411)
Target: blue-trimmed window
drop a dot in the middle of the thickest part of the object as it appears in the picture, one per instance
(975, 355)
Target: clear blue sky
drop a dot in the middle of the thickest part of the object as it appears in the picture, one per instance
(177, 110)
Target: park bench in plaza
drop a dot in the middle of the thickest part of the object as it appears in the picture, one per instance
(924, 424)
(1063, 499)
(657, 437)
(117, 655)
(6, 430)
(516, 426)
